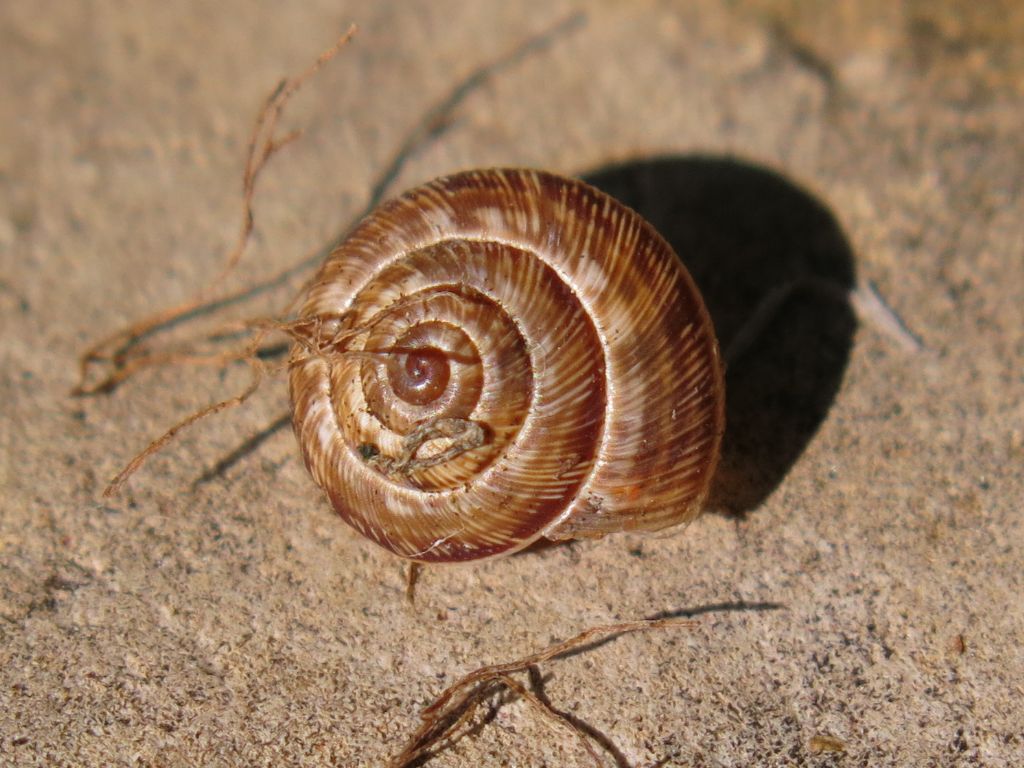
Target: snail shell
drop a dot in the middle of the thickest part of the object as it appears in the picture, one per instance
(503, 355)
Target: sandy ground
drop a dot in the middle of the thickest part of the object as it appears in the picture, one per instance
(860, 577)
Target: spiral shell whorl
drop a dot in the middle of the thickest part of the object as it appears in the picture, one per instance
(503, 355)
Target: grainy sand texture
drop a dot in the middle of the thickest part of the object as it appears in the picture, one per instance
(857, 579)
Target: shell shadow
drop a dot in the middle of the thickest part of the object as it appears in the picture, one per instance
(746, 232)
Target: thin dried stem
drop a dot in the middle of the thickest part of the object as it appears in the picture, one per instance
(871, 307)
(259, 369)
(449, 709)
(263, 145)
(466, 435)
(154, 447)
(412, 575)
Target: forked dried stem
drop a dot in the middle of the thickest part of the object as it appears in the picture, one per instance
(116, 348)
(456, 704)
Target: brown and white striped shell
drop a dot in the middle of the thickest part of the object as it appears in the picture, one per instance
(503, 355)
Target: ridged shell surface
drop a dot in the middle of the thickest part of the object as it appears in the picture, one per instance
(503, 355)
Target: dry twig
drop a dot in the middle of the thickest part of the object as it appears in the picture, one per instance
(121, 350)
(457, 703)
